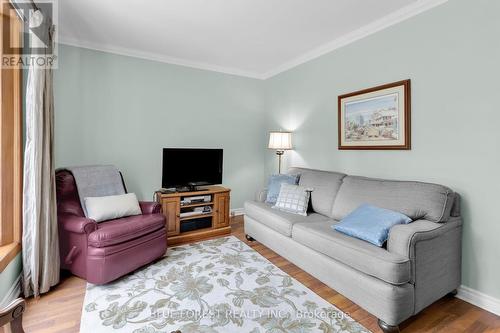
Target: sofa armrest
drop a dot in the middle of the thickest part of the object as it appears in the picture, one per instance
(261, 195)
(150, 207)
(403, 237)
(435, 253)
(77, 224)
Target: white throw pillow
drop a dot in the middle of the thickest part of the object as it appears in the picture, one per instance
(112, 207)
(293, 199)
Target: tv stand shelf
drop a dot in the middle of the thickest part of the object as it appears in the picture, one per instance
(192, 217)
(172, 208)
(199, 204)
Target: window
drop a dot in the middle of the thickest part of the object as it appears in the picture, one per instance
(10, 143)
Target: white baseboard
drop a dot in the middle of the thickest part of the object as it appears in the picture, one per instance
(237, 211)
(479, 299)
(12, 293)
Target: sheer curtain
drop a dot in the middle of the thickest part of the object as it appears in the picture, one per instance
(40, 238)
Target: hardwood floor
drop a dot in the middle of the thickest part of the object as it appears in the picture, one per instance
(59, 310)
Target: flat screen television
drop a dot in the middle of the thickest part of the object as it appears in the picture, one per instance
(191, 167)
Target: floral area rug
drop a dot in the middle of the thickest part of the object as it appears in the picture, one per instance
(219, 285)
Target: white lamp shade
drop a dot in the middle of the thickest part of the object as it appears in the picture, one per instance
(280, 140)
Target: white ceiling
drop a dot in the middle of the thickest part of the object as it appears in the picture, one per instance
(255, 38)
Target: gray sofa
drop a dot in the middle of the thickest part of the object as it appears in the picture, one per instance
(420, 263)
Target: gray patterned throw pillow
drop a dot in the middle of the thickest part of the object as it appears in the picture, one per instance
(293, 199)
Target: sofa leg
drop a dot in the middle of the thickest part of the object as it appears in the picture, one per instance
(249, 238)
(386, 328)
(453, 293)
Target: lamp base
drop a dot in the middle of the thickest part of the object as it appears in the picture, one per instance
(279, 153)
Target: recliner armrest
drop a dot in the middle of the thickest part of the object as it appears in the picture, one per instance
(77, 224)
(261, 195)
(150, 207)
(403, 237)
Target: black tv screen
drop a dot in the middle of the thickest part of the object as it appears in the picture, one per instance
(191, 166)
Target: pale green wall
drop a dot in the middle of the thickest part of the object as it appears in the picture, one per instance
(9, 275)
(123, 111)
(452, 56)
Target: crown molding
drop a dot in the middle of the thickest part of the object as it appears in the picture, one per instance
(396, 17)
(156, 57)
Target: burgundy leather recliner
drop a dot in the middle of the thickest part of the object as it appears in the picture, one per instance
(103, 252)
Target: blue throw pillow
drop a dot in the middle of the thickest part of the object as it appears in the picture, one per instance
(370, 223)
(274, 186)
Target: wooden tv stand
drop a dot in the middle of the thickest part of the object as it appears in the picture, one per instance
(218, 219)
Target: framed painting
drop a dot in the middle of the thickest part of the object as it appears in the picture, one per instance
(375, 118)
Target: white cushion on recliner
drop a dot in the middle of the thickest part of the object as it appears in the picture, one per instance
(112, 207)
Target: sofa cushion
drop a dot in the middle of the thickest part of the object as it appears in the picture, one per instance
(277, 220)
(370, 223)
(358, 254)
(416, 200)
(121, 230)
(274, 185)
(293, 199)
(325, 185)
